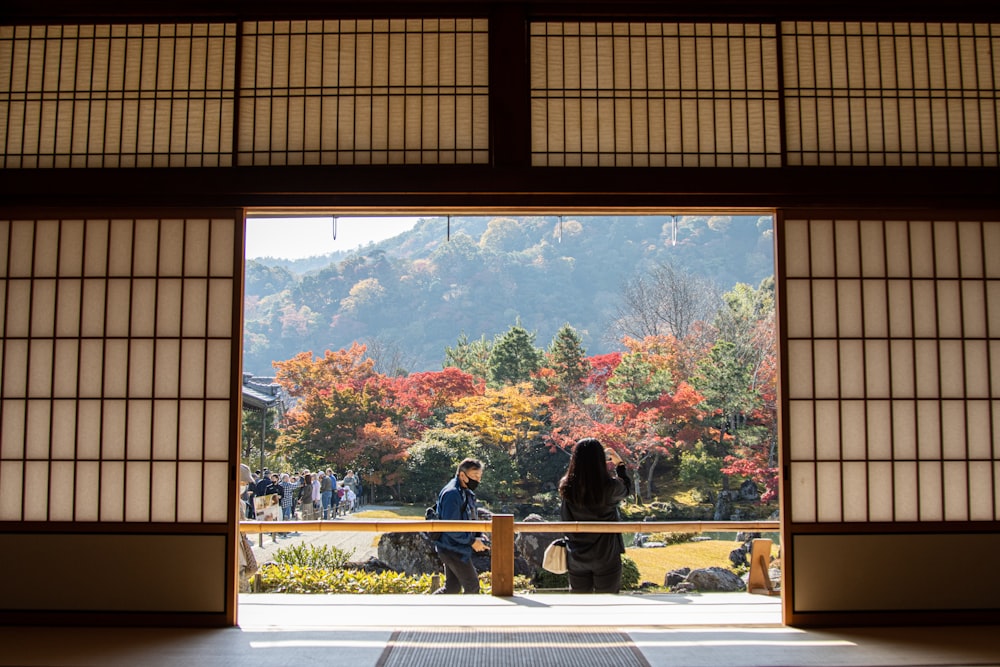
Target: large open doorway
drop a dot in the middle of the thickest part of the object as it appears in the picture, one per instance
(655, 332)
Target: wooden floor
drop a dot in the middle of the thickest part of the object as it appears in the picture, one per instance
(724, 630)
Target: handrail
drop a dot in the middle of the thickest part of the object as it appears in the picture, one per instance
(365, 525)
(643, 526)
(439, 525)
(503, 527)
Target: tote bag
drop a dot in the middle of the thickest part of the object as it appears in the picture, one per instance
(554, 560)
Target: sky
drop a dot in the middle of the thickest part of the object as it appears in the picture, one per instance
(295, 238)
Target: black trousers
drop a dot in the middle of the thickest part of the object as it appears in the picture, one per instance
(458, 575)
(605, 580)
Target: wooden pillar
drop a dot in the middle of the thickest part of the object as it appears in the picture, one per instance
(759, 580)
(502, 556)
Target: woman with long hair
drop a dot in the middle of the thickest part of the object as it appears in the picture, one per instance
(591, 492)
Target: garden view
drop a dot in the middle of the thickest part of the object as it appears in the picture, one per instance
(507, 340)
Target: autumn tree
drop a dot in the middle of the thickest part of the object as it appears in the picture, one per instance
(636, 380)
(379, 453)
(425, 399)
(636, 410)
(641, 433)
(510, 419)
(602, 366)
(648, 417)
(504, 235)
(737, 379)
(299, 321)
(335, 396)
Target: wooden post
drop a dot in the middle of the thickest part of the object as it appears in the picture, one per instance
(502, 555)
(759, 581)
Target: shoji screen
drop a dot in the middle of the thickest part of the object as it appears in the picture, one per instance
(117, 95)
(120, 338)
(891, 93)
(655, 94)
(400, 91)
(892, 413)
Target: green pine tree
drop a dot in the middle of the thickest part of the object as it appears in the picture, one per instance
(514, 357)
(568, 359)
(636, 381)
(471, 357)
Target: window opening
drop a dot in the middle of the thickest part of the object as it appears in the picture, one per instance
(649, 332)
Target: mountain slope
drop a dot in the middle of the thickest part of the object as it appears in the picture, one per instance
(411, 296)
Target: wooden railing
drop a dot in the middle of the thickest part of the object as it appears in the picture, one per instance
(502, 528)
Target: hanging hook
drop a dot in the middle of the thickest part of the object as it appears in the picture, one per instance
(673, 222)
(560, 228)
(334, 221)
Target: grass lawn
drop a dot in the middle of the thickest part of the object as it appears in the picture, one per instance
(400, 512)
(654, 563)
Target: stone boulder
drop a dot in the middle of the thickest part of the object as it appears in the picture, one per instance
(738, 556)
(715, 580)
(531, 546)
(414, 555)
(409, 553)
(747, 538)
(723, 507)
(675, 577)
(749, 491)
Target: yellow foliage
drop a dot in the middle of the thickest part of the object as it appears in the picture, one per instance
(502, 417)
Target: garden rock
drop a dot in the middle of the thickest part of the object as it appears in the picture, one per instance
(738, 556)
(409, 553)
(531, 546)
(414, 555)
(749, 491)
(683, 587)
(715, 580)
(675, 577)
(723, 507)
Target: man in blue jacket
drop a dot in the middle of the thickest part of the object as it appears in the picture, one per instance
(457, 502)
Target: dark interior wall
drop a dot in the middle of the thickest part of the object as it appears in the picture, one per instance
(942, 185)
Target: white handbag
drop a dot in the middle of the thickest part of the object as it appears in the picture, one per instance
(554, 560)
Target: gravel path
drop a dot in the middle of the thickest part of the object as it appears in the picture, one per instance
(364, 544)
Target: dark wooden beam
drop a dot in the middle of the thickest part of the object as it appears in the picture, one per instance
(69, 11)
(510, 111)
(472, 186)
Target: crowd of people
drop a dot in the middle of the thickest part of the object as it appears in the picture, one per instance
(302, 496)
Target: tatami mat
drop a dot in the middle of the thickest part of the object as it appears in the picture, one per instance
(720, 630)
(511, 647)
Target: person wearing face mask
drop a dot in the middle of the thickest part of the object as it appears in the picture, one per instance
(457, 502)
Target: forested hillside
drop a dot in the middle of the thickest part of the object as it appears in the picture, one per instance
(410, 298)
